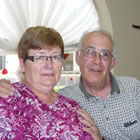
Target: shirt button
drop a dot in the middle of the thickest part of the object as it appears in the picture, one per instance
(107, 118)
(96, 100)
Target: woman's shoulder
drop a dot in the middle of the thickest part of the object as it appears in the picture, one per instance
(9, 100)
(14, 101)
(67, 100)
(18, 85)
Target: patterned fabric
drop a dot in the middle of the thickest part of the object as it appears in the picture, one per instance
(118, 118)
(25, 117)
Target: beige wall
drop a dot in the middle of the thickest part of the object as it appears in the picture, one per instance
(117, 16)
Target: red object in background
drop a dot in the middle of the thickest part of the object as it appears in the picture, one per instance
(66, 55)
(4, 71)
(71, 79)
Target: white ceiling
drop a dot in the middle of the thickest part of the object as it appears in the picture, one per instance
(70, 17)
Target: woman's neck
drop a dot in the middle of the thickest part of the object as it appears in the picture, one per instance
(48, 95)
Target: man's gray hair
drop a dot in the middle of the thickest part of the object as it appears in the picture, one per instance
(103, 32)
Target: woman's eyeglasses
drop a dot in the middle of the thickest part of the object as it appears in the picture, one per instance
(43, 59)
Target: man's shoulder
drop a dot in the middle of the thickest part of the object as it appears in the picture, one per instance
(71, 88)
(72, 91)
(128, 85)
(126, 80)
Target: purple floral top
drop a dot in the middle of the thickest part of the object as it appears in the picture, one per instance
(25, 117)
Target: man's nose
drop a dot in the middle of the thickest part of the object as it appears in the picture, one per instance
(97, 58)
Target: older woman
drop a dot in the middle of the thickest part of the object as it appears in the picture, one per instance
(36, 111)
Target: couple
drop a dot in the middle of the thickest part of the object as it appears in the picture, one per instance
(112, 102)
(36, 110)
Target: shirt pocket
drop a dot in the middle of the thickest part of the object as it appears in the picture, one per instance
(128, 124)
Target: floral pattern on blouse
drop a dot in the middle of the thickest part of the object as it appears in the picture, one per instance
(25, 117)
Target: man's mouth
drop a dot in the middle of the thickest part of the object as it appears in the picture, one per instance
(95, 69)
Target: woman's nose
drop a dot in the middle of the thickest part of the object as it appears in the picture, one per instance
(49, 62)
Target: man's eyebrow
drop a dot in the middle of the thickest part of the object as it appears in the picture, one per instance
(91, 47)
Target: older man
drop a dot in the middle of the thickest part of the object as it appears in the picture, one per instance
(113, 102)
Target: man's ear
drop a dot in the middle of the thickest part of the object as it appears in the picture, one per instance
(22, 64)
(113, 63)
(77, 57)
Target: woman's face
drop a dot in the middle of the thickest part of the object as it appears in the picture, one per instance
(43, 73)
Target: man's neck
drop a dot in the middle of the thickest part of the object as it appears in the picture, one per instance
(99, 90)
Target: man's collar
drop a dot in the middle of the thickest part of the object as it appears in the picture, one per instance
(114, 86)
(83, 89)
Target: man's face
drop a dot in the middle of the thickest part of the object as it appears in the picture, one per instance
(95, 61)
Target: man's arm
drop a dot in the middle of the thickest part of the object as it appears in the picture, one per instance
(6, 89)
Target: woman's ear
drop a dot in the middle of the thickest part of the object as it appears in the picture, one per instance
(22, 64)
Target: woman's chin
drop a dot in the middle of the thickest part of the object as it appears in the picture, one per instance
(48, 83)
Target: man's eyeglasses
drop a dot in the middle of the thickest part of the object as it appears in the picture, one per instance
(92, 52)
(43, 59)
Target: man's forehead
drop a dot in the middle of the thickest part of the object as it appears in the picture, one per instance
(97, 35)
(96, 48)
(97, 43)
